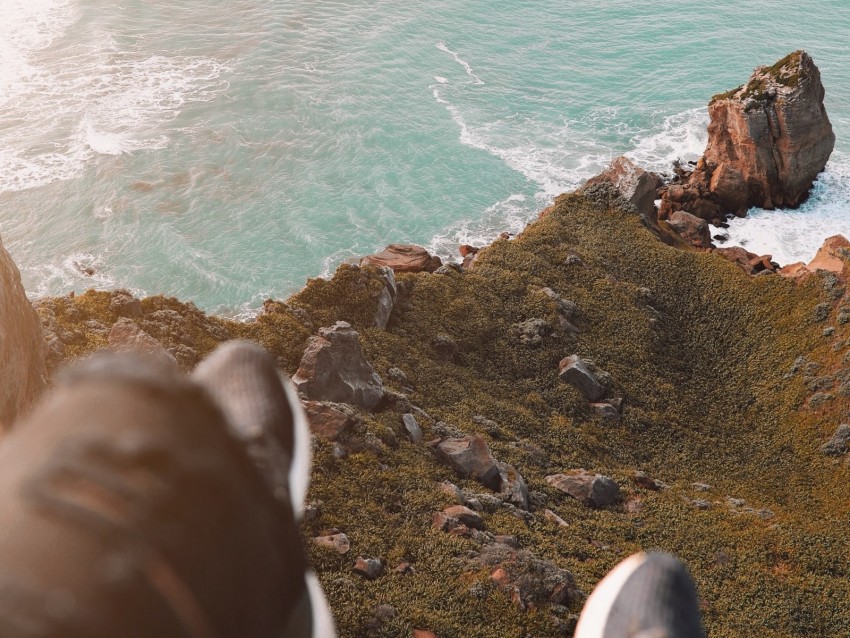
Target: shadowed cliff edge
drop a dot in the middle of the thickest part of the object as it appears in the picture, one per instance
(491, 440)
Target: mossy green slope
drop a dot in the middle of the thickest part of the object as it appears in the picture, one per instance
(699, 351)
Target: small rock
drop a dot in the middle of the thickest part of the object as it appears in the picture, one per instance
(605, 411)
(701, 487)
(337, 542)
(423, 633)
(701, 504)
(577, 373)
(839, 444)
(327, 421)
(554, 518)
(593, 490)
(530, 333)
(828, 331)
(386, 301)
(470, 457)
(312, 511)
(411, 428)
(513, 486)
(641, 479)
(465, 516)
(368, 568)
(449, 489)
(404, 568)
(397, 375)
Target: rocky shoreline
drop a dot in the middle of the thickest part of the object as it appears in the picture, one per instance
(492, 437)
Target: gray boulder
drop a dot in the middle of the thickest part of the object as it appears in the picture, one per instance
(594, 490)
(636, 186)
(386, 301)
(839, 444)
(334, 368)
(470, 457)
(578, 374)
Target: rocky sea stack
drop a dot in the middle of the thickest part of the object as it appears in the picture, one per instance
(767, 141)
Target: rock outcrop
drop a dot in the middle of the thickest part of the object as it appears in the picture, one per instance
(126, 336)
(636, 185)
(692, 228)
(404, 258)
(767, 141)
(832, 257)
(579, 374)
(593, 490)
(334, 368)
(22, 347)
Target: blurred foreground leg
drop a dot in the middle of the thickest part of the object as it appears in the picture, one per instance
(645, 596)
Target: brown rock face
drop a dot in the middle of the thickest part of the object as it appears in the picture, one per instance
(767, 142)
(692, 228)
(832, 256)
(636, 185)
(404, 258)
(126, 336)
(470, 458)
(22, 347)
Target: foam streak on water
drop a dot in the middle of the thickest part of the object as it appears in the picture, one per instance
(225, 152)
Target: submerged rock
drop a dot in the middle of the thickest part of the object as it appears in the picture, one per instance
(767, 141)
(334, 368)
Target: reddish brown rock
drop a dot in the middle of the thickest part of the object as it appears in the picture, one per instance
(470, 457)
(334, 368)
(636, 185)
(465, 516)
(337, 542)
(326, 421)
(831, 256)
(368, 568)
(404, 258)
(594, 490)
(22, 347)
(692, 228)
(126, 336)
(767, 141)
(423, 633)
(466, 249)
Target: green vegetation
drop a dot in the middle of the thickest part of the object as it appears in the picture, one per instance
(701, 354)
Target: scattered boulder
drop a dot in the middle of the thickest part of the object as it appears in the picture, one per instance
(404, 258)
(767, 141)
(23, 349)
(368, 568)
(594, 490)
(470, 457)
(411, 428)
(513, 488)
(605, 411)
(692, 228)
(642, 479)
(466, 516)
(636, 186)
(839, 444)
(334, 368)
(337, 542)
(328, 421)
(575, 371)
(550, 516)
(126, 336)
(386, 301)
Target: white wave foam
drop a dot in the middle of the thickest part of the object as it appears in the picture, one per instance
(795, 235)
(99, 101)
(682, 137)
(442, 47)
(440, 79)
(27, 26)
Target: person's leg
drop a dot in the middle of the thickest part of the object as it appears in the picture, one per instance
(128, 508)
(645, 596)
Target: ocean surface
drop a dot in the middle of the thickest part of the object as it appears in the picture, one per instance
(224, 152)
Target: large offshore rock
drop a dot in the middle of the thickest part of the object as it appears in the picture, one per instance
(334, 368)
(22, 347)
(404, 258)
(767, 141)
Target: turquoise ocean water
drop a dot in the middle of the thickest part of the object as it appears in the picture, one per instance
(223, 152)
